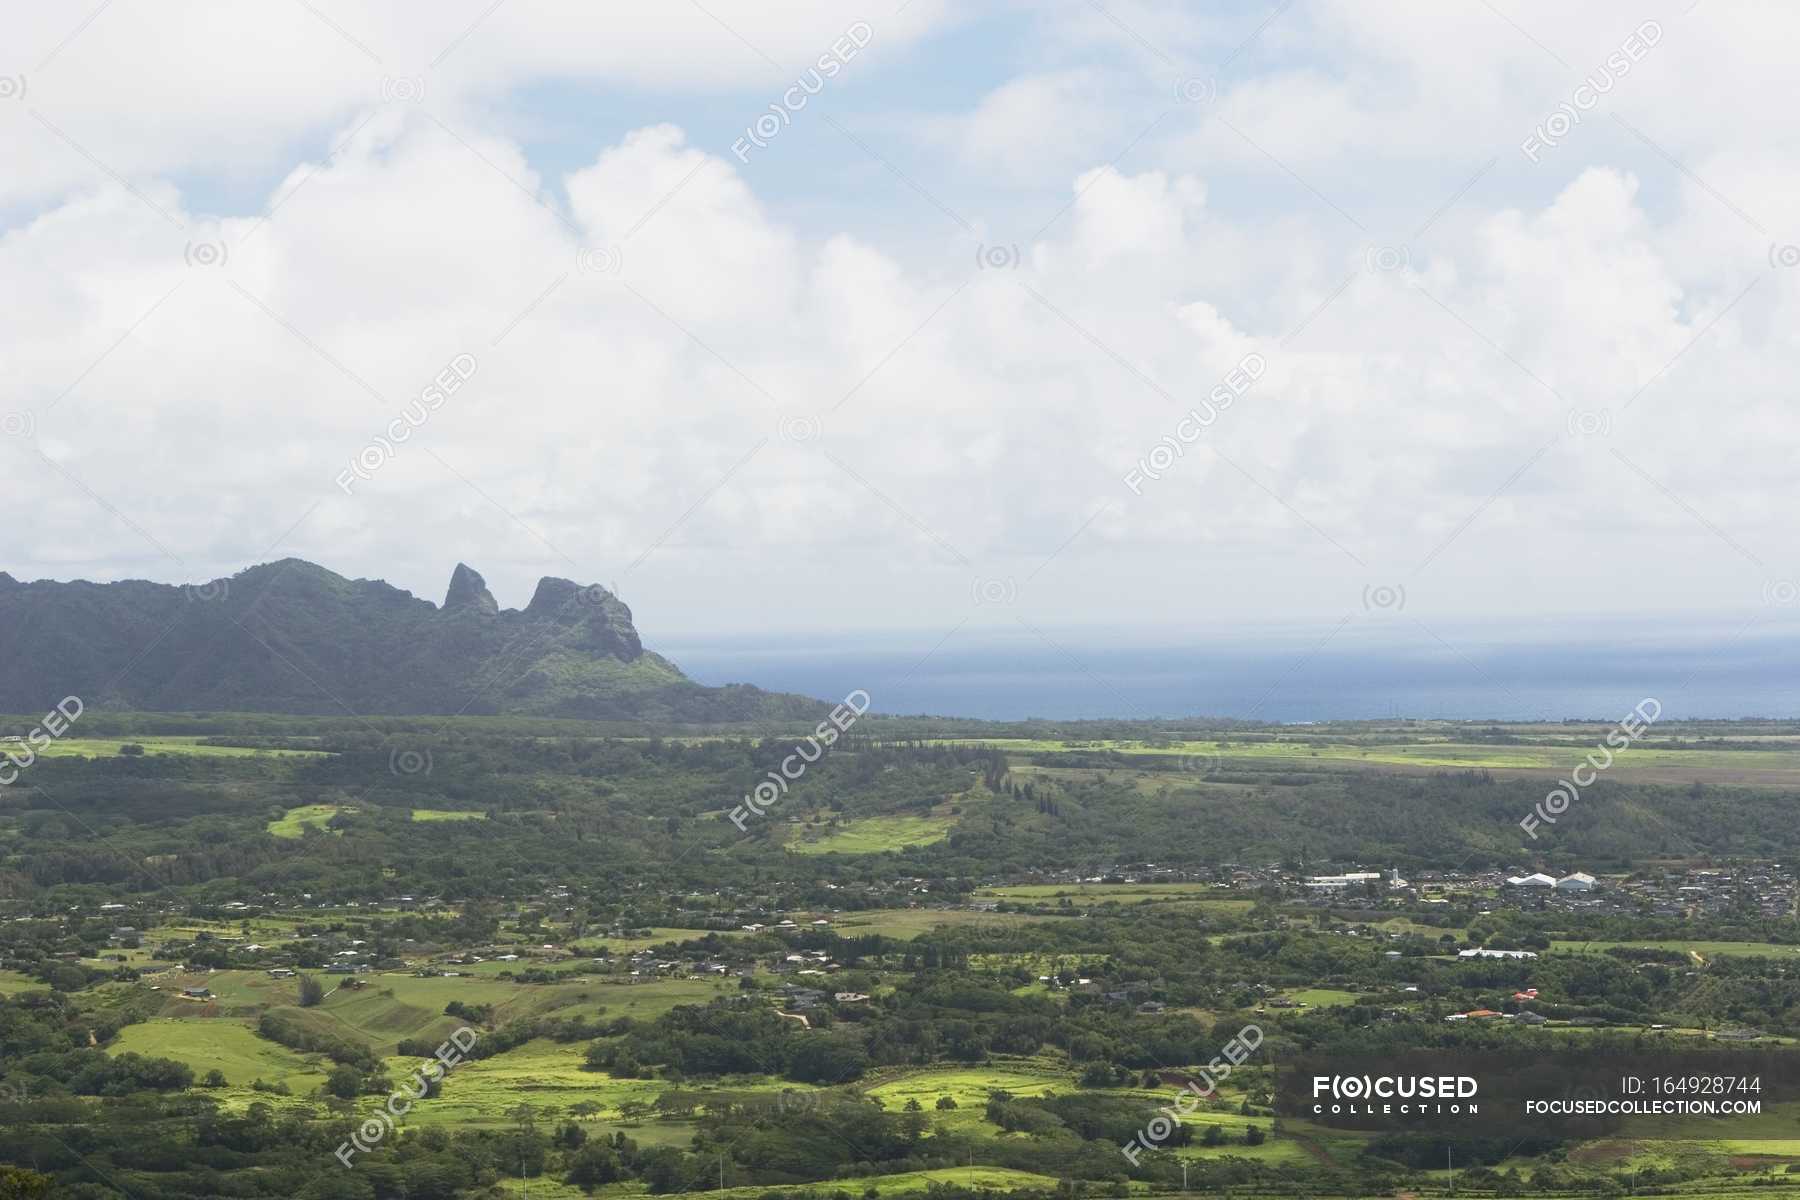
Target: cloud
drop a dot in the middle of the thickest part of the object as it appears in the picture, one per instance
(687, 384)
(221, 88)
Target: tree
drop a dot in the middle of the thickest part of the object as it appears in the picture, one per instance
(311, 991)
(945, 1103)
(19, 1184)
(594, 1165)
(344, 1082)
(214, 1078)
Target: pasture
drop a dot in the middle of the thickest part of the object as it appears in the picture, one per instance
(872, 835)
(230, 1047)
(187, 747)
(296, 821)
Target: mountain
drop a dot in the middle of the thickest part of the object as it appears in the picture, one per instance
(293, 637)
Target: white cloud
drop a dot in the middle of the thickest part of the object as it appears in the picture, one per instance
(218, 86)
(753, 422)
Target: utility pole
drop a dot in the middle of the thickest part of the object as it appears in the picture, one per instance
(1184, 1167)
(1450, 1166)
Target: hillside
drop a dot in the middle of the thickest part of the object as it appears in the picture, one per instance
(293, 637)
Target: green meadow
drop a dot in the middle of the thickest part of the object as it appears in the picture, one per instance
(230, 1047)
(190, 747)
(295, 821)
(872, 835)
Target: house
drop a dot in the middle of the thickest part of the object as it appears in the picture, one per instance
(1537, 880)
(850, 998)
(1580, 881)
(1530, 1018)
(196, 993)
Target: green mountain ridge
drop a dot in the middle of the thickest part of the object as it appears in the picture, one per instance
(293, 637)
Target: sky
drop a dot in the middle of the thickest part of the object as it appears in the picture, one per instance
(808, 318)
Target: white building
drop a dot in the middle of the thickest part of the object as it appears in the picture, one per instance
(1342, 881)
(1580, 881)
(1356, 877)
(1536, 880)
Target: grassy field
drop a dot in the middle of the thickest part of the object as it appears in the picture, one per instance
(447, 814)
(228, 1046)
(550, 1077)
(1323, 997)
(909, 923)
(872, 835)
(1201, 896)
(75, 747)
(1551, 752)
(911, 1183)
(969, 1086)
(393, 1007)
(295, 821)
(12, 982)
(1706, 950)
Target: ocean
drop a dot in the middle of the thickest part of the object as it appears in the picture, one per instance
(1595, 672)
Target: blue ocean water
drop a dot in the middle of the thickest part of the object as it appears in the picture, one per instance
(1289, 675)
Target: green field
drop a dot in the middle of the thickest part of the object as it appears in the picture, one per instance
(969, 1086)
(12, 982)
(910, 1183)
(227, 1046)
(1706, 950)
(1323, 997)
(295, 821)
(1205, 896)
(550, 1077)
(75, 747)
(872, 835)
(1552, 753)
(909, 923)
(447, 814)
